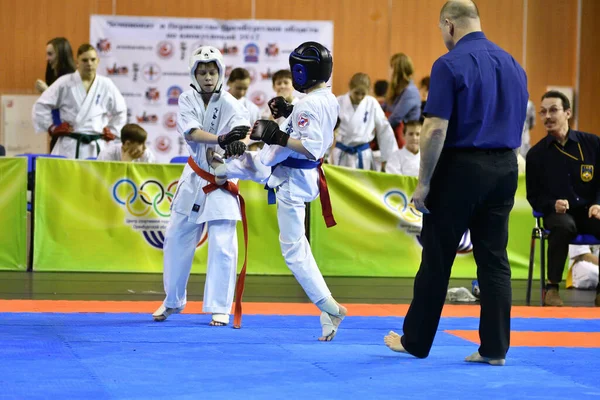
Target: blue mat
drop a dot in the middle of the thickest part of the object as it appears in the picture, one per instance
(127, 356)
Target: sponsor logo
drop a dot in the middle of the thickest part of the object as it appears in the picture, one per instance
(259, 98)
(115, 70)
(165, 49)
(170, 120)
(147, 205)
(251, 53)
(272, 50)
(410, 220)
(163, 144)
(266, 75)
(229, 50)
(103, 47)
(173, 94)
(147, 118)
(151, 72)
(152, 95)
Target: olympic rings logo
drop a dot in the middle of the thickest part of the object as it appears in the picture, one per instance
(149, 197)
(398, 202)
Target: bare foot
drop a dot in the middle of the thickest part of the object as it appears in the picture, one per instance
(331, 324)
(392, 340)
(217, 323)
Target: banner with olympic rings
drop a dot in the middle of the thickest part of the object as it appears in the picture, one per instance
(378, 229)
(112, 217)
(13, 218)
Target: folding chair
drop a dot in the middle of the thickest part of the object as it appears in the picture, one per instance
(179, 160)
(31, 166)
(539, 232)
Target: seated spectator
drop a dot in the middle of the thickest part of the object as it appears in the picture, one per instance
(583, 273)
(380, 89)
(403, 101)
(562, 184)
(132, 147)
(424, 92)
(406, 161)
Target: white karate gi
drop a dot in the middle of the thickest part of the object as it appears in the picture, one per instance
(88, 113)
(312, 121)
(113, 152)
(252, 109)
(403, 162)
(582, 274)
(192, 208)
(358, 127)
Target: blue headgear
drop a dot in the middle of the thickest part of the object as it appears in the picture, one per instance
(311, 63)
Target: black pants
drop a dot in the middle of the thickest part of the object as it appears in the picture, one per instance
(563, 229)
(474, 190)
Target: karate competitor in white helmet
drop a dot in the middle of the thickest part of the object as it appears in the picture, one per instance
(295, 158)
(210, 119)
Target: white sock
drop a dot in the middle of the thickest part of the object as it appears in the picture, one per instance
(330, 306)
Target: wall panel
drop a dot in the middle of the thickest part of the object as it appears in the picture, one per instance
(589, 117)
(366, 33)
(551, 50)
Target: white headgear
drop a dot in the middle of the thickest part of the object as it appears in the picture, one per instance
(206, 54)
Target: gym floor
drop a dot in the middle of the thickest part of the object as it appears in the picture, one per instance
(91, 336)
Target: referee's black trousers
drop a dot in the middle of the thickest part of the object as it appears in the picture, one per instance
(470, 189)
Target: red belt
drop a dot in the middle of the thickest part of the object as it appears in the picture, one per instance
(297, 163)
(324, 197)
(234, 190)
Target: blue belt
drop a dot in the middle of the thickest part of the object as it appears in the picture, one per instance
(296, 163)
(354, 150)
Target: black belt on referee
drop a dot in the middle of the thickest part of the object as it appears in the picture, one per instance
(477, 150)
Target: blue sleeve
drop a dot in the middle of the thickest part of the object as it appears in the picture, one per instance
(440, 100)
(409, 99)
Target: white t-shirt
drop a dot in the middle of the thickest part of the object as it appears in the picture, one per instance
(113, 153)
(582, 274)
(403, 162)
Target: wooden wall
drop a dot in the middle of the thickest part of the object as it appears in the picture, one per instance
(589, 117)
(366, 34)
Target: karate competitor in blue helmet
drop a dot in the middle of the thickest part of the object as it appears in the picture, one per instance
(290, 163)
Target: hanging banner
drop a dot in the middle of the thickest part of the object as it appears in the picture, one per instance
(112, 216)
(377, 231)
(13, 218)
(147, 58)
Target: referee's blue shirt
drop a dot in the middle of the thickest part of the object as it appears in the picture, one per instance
(482, 91)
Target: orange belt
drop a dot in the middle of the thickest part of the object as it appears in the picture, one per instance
(235, 191)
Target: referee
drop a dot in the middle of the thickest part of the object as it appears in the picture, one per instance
(467, 180)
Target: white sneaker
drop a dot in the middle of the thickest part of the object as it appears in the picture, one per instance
(163, 313)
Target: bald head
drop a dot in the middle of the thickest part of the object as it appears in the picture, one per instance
(462, 13)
